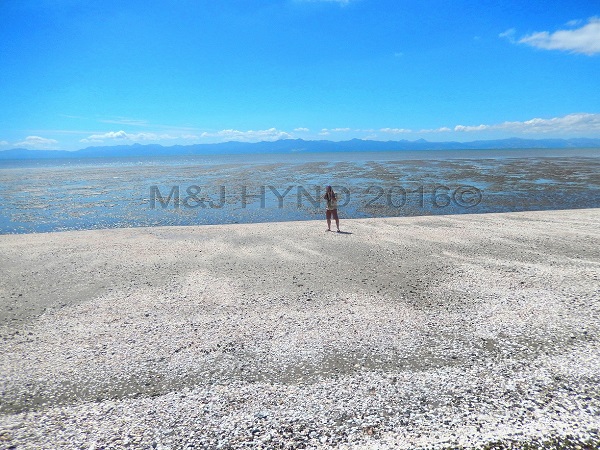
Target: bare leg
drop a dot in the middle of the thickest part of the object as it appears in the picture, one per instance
(337, 220)
(328, 215)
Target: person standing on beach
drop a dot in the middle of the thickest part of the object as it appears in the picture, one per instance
(331, 211)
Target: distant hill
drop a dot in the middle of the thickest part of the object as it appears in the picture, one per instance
(292, 146)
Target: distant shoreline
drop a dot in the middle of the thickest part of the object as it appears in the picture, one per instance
(291, 146)
(73, 160)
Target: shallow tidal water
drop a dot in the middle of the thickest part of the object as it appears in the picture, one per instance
(58, 195)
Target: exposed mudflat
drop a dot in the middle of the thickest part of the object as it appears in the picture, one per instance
(122, 193)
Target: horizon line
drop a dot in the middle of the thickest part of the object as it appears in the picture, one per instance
(416, 141)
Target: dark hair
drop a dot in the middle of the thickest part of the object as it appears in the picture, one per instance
(327, 193)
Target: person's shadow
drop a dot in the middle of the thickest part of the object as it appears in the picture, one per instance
(343, 232)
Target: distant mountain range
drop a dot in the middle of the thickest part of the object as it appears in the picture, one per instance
(292, 146)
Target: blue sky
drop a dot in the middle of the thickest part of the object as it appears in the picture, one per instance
(78, 73)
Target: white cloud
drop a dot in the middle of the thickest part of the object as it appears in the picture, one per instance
(585, 39)
(571, 123)
(4, 143)
(110, 135)
(580, 122)
(471, 128)
(435, 130)
(123, 136)
(272, 134)
(302, 130)
(395, 130)
(36, 142)
(326, 131)
(508, 34)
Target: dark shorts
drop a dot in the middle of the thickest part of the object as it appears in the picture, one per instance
(332, 213)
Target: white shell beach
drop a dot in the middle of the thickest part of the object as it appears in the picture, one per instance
(414, 332)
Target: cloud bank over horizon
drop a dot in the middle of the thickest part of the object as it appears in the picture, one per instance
(569, 126)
